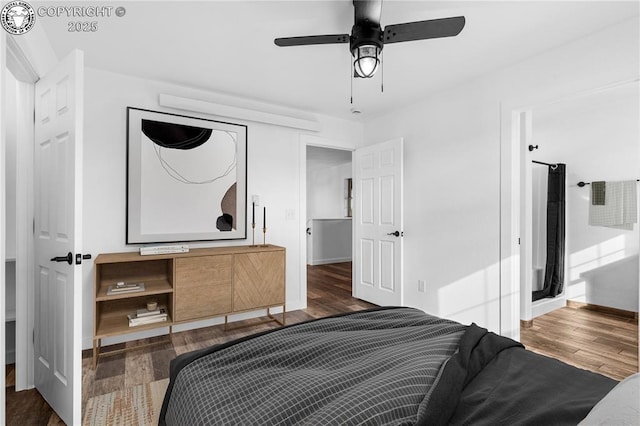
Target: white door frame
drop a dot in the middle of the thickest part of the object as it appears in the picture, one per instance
(515, 117)
(26, 76)
(305, 141)
(10, 56)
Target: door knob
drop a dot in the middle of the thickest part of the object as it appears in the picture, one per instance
(68, 258)
(396, 233)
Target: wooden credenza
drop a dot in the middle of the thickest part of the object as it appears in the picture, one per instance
(201, 284)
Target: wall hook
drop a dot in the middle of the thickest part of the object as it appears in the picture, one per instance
(532, 147)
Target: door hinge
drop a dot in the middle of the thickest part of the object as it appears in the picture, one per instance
(33, 337)
(33, 223)
(518, 240)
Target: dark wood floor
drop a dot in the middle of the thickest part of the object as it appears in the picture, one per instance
(26, 407)
(590, 340)
(329, 290)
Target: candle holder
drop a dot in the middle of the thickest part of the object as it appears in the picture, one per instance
(264, 237)
(253, 238)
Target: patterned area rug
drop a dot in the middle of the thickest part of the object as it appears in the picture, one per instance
(137, 405)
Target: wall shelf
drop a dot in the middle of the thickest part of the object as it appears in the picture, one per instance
(150, 288)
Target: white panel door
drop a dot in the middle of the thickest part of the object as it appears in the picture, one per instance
(58, 225)
(377, 269)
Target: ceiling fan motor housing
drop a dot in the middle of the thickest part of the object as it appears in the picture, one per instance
(365, 33)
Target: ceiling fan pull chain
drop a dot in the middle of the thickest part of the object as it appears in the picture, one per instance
(351, 72)
(381, 72)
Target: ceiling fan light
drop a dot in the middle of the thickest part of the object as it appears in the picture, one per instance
(367, 60)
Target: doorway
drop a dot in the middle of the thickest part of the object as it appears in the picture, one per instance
(516, 136)
(595, 135)
(19, 79)
(34, 324)
(329, 234)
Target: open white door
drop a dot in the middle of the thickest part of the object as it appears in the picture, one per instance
(58, 234)
(377, 224)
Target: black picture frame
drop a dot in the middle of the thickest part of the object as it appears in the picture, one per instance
(186, 178)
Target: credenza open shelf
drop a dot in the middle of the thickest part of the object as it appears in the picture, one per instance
(201, 284)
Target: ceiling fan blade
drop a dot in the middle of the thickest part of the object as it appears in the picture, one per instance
(368, 10)
(422, 30)
(317, 39)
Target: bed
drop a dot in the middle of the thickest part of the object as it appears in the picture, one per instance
(379, 366)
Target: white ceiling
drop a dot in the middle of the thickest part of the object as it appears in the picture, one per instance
(227, 46)
(321, 158)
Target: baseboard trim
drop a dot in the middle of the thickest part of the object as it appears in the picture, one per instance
(604, 309)
(526, 323)
(317, 262)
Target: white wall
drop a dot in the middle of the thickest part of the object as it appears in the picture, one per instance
(452, 169)
(596, 136)
(273, 173)
(539, 224)
(326, 191)
(330, 240)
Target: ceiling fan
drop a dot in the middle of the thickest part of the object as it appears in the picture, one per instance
(368, 38)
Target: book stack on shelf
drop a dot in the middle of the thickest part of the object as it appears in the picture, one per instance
(145, 316)
(122, 287)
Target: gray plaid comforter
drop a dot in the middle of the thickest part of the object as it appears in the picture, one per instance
(372, 367)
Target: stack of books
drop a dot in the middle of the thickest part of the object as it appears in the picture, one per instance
(145, 316)
(178, 248)
(121, 287)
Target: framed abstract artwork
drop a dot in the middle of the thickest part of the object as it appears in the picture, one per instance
(186, 178)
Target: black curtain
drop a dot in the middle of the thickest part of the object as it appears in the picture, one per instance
(554, 268)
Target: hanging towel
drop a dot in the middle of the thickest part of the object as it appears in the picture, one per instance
(598, 191)
(620, 210)
(630, 204)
